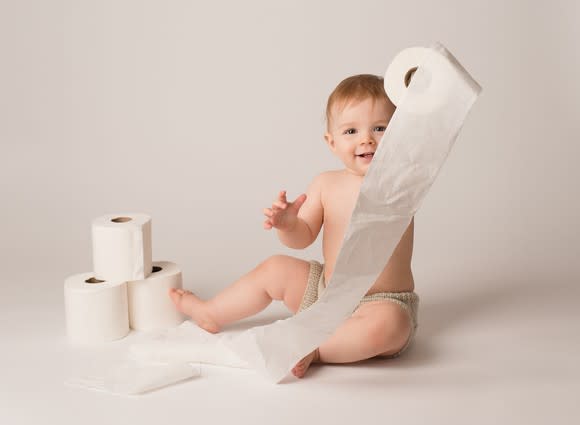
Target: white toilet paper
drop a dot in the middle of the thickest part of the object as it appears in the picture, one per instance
(431, 91)
(186, 343)
(122, 246)
(415, 145)
(96, 310)
(133, 377)
(150, 307)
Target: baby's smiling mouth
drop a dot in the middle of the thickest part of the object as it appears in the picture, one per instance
(366, 155)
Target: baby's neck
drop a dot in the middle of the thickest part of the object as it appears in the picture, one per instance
(351, 173)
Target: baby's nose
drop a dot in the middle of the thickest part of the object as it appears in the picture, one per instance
(369, 138)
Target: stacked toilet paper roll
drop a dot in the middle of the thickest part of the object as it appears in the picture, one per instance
(126, 289)
(150, 307)
(122, 246)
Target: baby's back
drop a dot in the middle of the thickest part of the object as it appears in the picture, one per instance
(339, 193)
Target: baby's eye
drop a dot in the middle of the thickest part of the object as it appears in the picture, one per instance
(380, 128)
(350, 131)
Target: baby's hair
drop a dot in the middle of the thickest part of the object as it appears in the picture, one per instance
(356, 88)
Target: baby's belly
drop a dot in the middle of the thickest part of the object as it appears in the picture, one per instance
(395, 277)
(391, 279)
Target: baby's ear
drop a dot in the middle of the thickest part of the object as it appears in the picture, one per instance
(329, 140)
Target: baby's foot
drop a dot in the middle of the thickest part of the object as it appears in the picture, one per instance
(302, 366)
(194, 307)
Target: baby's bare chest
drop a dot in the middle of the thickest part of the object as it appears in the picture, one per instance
(338, 203)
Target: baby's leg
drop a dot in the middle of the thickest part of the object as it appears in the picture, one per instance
(374, 329)
(279, 277)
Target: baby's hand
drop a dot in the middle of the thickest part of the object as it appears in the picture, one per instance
(283, 215)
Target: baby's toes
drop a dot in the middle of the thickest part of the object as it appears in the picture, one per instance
(299, 370)
(175, 296)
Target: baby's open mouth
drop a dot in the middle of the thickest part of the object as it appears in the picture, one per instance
(367, 155)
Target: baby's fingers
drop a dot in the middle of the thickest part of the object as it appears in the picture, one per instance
(279, 204)
(268, 212)
(282, 196)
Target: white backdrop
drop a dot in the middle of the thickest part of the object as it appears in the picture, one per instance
(198, 113)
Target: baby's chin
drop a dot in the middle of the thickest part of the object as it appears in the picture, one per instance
(355, 172)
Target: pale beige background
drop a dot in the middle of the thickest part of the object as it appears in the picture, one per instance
(198, 113)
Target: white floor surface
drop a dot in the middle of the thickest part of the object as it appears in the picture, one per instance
(492, 349)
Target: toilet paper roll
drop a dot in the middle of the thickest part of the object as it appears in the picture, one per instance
(150, 307)
(122, 246)
(96, 310)
(431, 90)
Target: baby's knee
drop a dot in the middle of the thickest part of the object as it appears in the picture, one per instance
(275, 262)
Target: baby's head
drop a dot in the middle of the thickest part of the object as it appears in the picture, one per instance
(357, 115)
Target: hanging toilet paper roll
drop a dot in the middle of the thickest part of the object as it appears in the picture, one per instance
(96, 310)
(150, 307)
(122, 246)
(431, 91)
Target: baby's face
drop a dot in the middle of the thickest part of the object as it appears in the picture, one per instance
(355, 132)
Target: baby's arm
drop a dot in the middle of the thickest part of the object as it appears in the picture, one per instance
(298, 222)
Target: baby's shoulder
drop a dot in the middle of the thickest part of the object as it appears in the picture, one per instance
(327, 183)
(330, 176)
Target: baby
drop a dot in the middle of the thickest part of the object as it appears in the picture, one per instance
(384, 321)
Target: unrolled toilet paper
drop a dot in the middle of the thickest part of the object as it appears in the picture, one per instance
(150, 307)
(96, 310)
(122, 247)
(415, 145)
(186, 343)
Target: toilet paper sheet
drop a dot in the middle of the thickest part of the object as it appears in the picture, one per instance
(135, 377)
(187, 343)
(415, 145)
